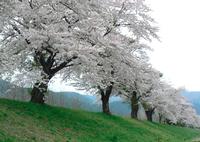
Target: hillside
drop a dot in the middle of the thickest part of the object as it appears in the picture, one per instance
(26, 122)
(194, 98)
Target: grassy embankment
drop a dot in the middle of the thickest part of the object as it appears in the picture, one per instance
(27, 122)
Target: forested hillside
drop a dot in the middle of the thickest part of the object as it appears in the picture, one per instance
(194, 98)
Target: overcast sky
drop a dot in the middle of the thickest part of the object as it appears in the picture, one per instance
(177, 56)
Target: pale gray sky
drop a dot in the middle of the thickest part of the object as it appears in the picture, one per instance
(177, 56)
(58, 85)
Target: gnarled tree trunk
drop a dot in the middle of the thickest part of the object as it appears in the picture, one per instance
(160, 118)
(49, 69)
(37, 96)
(105, 96)
(149, 114)
(39, 90)
(105, 104)
(134, 105)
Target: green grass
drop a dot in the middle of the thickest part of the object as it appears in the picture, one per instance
(27, 122)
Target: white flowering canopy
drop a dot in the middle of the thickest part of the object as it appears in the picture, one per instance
(68, 28)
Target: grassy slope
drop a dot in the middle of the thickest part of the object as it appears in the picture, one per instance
(26, 122)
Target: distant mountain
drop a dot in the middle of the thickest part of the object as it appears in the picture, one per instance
(4, 86)
(86, 102)
(73, 100)
(120, 108)
(194, 98)
(65, 99)
(11, 91)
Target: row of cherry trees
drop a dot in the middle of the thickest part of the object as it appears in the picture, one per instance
(84, 40)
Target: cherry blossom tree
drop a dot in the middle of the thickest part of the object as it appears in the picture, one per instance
(37, 40)
(184, 113)
(103, 74)
(171, 107)
(43, 37)
(139, 86)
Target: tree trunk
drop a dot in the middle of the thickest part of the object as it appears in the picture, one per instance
(39, 90)
(105, 96)
(37, 94)
(49, 69)
(105, 104)
(149, 114)
(160, 118)
(134, 105)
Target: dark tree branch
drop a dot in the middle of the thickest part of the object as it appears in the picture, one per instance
(66, 5)
(21, 23)
(20, 33)
(108, 30)
(109, 89)
(63, 65)
(31, 4)
(16, 29)
(115, 21)
(40, 58)
(101, 90)
(153, 109)
(138, 98)
(66, 20)
(69, 65)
